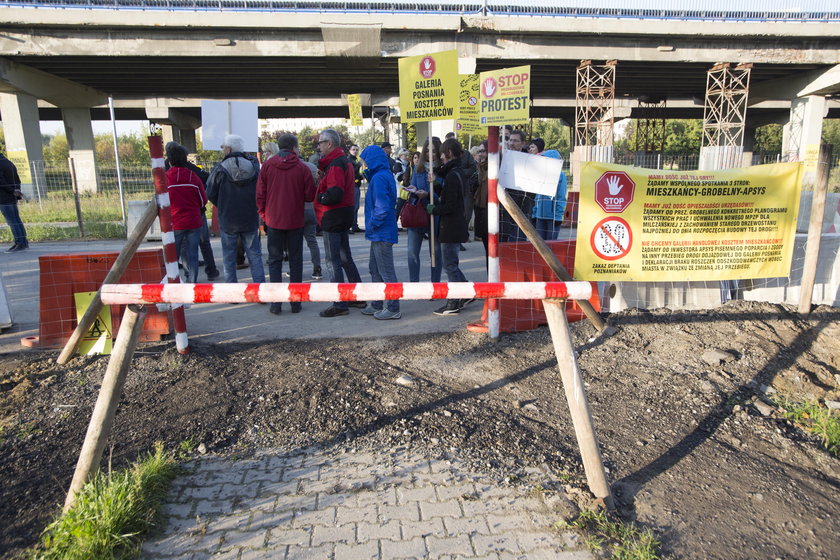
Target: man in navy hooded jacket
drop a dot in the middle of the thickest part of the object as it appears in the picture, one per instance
(381, 227)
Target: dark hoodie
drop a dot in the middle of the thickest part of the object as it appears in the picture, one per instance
(284, 185)
(232, 187)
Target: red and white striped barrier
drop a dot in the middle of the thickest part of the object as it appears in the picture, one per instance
(122, 294)
(170, 255)
(493, 318)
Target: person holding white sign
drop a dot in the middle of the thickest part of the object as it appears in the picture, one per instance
(548, 210)
(420, 195)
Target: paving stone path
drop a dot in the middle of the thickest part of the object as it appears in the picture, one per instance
(345, 505)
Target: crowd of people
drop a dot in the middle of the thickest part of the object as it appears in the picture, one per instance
(432, 195)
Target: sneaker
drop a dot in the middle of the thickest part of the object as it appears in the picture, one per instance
(241, 266)
(357, 304)
(18, 247)
(384, 315)
(370, 310)
(286, 275)
(12, 249)
(316, 273)
(333, 312)
(357, 229)
(276, 308)
(462, 247)
(452, 307)
(213, 275)
(296, 307)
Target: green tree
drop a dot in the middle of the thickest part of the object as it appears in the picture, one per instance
(57, 151)
(683, 136)
(768, 139)
(553, 132)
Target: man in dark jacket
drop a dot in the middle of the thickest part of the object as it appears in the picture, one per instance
(357, 170)
(10, 193)
(284, 186)
(453, 225)
(232, 187)
(334, 203)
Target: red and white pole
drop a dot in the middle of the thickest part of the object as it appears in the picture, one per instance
(492, 227)
(170, 255)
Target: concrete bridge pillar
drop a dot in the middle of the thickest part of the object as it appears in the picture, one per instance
(24, 148)
(749, 146)
(183, 136)
(804, 129)
(80, 141)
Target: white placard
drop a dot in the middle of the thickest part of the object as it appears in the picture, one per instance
(530, 173)
(220, 118)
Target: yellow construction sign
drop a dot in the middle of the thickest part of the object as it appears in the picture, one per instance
(21, 161)
(99, 339)
(354, 103)
(655, 225)
(429, 87)
(468, 120)
(505, 96)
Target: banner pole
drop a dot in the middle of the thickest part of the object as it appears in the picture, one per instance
(432, 236)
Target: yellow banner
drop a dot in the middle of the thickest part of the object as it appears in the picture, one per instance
(21, 161)
(812, 158)
(505, 96)
(650, 225)
(98, 339)
(354, 104)
(468, 120)
(429, 87)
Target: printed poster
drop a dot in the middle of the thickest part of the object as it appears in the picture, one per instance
(468, 120)
(99, 339)
(429, 87)
(354, 104)
(651, 225)
(505, 96)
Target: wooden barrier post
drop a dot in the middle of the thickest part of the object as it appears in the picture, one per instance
(113, 276)
(812, 247)
(102, 419)
(548, 255)
(555, 312)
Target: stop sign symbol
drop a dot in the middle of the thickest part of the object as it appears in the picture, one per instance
(614, 191)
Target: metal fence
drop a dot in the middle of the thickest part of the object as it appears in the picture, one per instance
(711, 10)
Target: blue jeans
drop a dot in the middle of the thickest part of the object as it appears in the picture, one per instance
(251, 243)
(186, 246)
(382, 270)
(548, 229)
(415, 242)
(310, 226)
(450, 262)
(10, 213)
(206, 249)
(340, 260)
(280, 241)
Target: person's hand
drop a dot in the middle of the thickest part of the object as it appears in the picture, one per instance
(430, 208)
(421, 193)
(18, 194)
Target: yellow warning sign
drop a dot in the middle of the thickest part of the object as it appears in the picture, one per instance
(98, 340)
(429, 87)
(468, 120)
(354, 103)
(650, 225)
(812, 158)
(21, 161)
(505, 96)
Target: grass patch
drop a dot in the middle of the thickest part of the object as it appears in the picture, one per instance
(111, 513)
(612, 538)
(55, 232)
(816, 419)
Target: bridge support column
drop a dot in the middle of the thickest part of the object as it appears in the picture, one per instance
(749, 147)
(804, 129)
(24, 148)
(82, 146)
(183, 136)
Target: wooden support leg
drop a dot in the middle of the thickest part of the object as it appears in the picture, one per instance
(102, 418)
(555, 311)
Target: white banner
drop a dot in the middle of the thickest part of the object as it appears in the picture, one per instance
(220, 118)
(530, 173)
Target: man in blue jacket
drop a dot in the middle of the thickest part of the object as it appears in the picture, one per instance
(381, 227)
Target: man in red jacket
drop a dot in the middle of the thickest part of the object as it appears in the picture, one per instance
(334, 203)
(284, 185)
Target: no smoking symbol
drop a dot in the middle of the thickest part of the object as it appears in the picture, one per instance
(611, 239)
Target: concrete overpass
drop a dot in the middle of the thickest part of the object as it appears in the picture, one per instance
(61, 61)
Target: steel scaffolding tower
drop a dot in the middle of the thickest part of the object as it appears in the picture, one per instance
(650, 126)
(725, 114)
(595, 104)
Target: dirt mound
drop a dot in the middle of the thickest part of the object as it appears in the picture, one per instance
(679, 400)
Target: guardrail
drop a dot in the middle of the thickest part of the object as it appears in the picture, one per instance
(712, 10)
